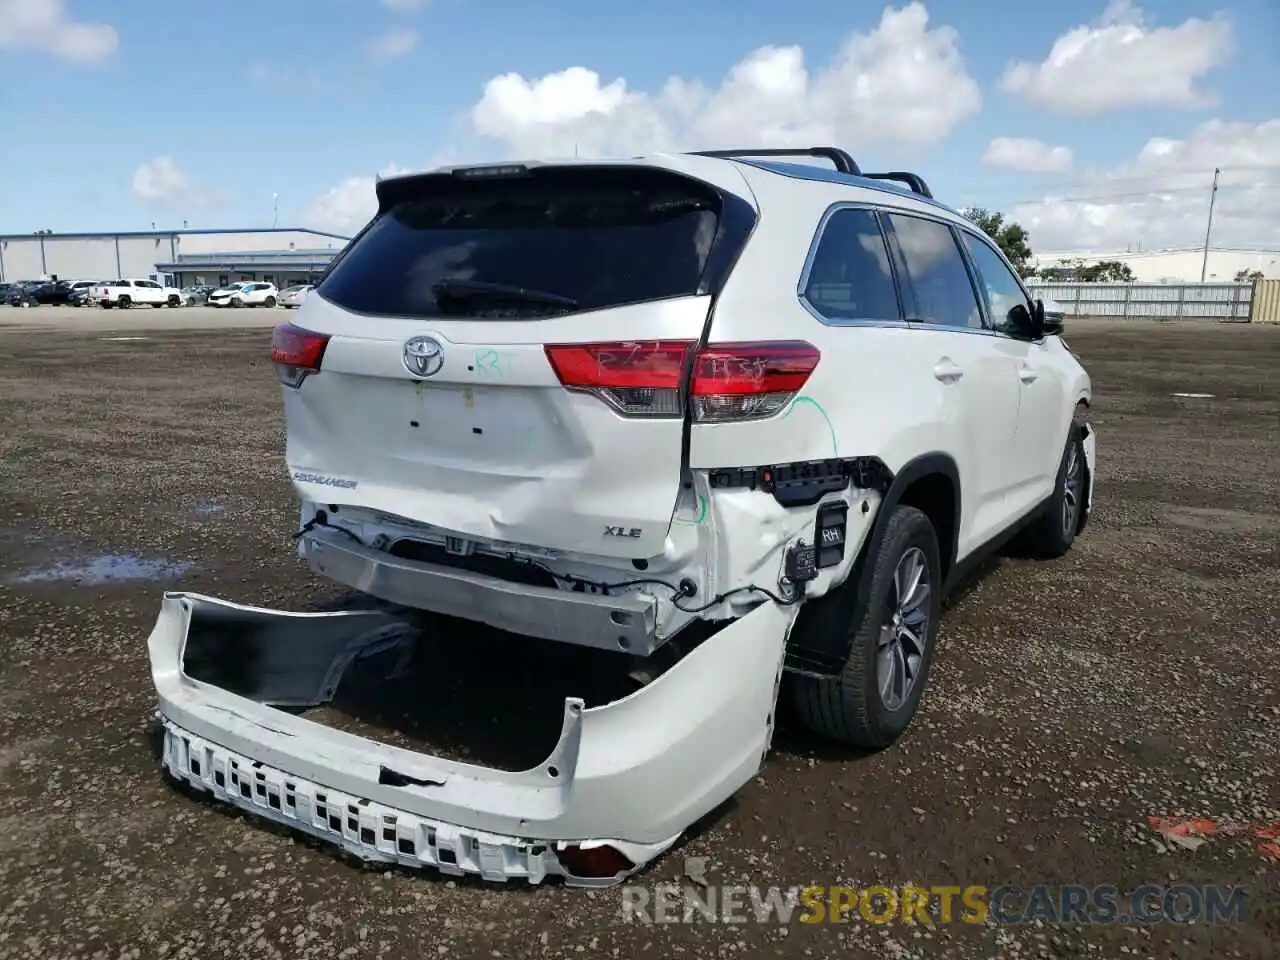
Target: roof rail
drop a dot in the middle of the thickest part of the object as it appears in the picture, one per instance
(912, 180)
(840, 158)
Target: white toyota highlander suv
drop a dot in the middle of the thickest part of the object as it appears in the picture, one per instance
(735, 419)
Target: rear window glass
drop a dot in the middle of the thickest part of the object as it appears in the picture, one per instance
(554, 242)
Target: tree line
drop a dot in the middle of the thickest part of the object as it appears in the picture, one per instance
(1016, 244)
(1014, 240)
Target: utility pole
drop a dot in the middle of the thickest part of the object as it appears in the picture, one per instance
(275, 210)
(1213, 196)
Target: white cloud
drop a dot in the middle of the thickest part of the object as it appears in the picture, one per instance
(162, 181)
(395, 42)
(1161, 197)
(45, 25)
(902, 81)
(1023, 153)
(1121, 61)
(406, 6)
(349, 205)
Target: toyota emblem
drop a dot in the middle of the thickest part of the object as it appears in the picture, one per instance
(423, 356)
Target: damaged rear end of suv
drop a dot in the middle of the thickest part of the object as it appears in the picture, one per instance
(488, 407)
(580, 403)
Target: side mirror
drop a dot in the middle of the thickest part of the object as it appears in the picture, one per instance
(1027, 323)
(1055, 319)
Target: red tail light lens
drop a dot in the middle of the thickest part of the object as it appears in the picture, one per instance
(749, 381)
(296, 353)
(731, 381)
(640, 379)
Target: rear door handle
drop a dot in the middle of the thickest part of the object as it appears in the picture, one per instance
(1027, 374)
(946, 371)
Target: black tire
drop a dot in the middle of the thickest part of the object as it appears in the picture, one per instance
(237, 302)
(1051, 534)
(124, 303)
(107, 304)
(173, 301)
(269, 302)
(850, 707)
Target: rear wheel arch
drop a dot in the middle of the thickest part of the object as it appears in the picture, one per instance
(930, 483)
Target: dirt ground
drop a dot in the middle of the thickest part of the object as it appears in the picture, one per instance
(1069, 701)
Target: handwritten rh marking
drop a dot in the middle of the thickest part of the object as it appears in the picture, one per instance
(489, 362)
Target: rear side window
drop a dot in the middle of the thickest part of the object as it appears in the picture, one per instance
(850, 277)
(939, 283)
(556, 241)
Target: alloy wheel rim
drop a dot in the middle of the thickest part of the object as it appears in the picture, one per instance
(1072, 488)
(905, 631)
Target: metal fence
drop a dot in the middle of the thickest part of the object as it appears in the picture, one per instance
(1266, 302)
(1226, 302)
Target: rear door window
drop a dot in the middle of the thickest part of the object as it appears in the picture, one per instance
(560, 240)
(939, 283)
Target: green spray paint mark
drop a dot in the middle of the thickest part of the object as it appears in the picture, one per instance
(835, 452)
(835, 444)
(702, 513)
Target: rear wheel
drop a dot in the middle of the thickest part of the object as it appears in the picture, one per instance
(873, 699)
(269, 302)
(124, 303)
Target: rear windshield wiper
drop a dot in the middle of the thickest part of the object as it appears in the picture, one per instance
(458, 289)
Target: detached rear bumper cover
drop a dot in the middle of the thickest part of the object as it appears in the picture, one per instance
(632, 774)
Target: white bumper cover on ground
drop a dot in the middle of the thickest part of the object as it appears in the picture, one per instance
(1090, 460)
(631, 774)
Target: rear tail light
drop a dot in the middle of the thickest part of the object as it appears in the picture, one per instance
(730, 381)
(296, 353)
(749, 381)
(640, 379)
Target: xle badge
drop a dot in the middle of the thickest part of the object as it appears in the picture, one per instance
(633, 532)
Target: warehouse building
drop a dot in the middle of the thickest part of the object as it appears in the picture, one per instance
(178, 257)
(1181, 265)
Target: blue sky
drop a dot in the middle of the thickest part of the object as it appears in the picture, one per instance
(120, 115)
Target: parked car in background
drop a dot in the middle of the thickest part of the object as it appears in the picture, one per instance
(23, 293)
(291, 297)
(59, 292)
(127, 293)
(78, 292)
(196, 296)
(81, 294)
(248, 294)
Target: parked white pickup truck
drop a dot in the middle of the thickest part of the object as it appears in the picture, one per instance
(127, 293)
